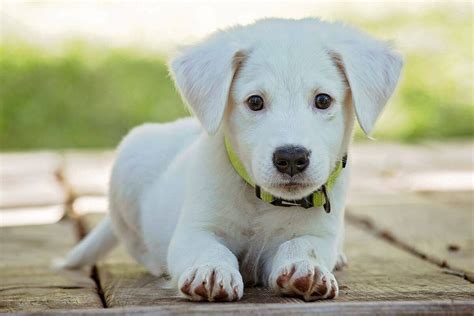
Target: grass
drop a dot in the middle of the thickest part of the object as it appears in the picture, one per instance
(85, 97)
(80, 99)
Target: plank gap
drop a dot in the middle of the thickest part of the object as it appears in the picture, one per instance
(68, 189)
(100, 292)
(368, 225)
(42, 287)
(81, 231)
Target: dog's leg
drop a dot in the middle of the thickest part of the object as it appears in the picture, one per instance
(302, 267)
(206, 269)
(341, 262)
(341, 257)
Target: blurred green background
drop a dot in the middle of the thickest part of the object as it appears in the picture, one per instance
(89, 96)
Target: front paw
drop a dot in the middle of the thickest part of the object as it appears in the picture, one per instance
(211, 283)
(305, 279)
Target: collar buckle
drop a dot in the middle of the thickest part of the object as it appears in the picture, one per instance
(344, 161)
(327, 203)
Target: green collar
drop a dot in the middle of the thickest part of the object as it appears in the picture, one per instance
(316, 199)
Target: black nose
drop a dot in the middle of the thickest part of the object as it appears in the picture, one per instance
(291, 159)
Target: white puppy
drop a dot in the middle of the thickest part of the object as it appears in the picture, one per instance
(258, 197)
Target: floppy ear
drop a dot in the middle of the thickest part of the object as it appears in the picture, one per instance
(203, 74)
(371, 69)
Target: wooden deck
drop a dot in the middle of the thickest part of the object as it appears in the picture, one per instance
(410, 239)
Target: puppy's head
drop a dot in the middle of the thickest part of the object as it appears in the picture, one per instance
(286, 92)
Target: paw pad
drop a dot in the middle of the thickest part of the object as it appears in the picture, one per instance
(306, 280)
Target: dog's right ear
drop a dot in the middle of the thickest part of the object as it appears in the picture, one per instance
(203, 74)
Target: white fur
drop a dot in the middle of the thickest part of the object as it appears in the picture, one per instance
(178, 205)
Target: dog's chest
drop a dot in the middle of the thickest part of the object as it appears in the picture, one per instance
(266, 231)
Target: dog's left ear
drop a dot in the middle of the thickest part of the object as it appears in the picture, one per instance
(203, 74)
(372, 70)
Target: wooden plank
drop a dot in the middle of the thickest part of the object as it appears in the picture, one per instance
(384, 167)
(26, 281)
(438, 307)
(386, 158)
(375, 164)
(443, 233)
(378, 271)
(90, 204)
(31, 215)
(427, 203)
(452, 155)
(462, 199)
(28, 163)
(29, 179)
(87, 172)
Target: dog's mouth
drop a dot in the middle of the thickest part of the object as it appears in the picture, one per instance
(292, 186)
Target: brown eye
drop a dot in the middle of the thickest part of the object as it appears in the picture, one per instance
(255, 102)
(322, 101)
